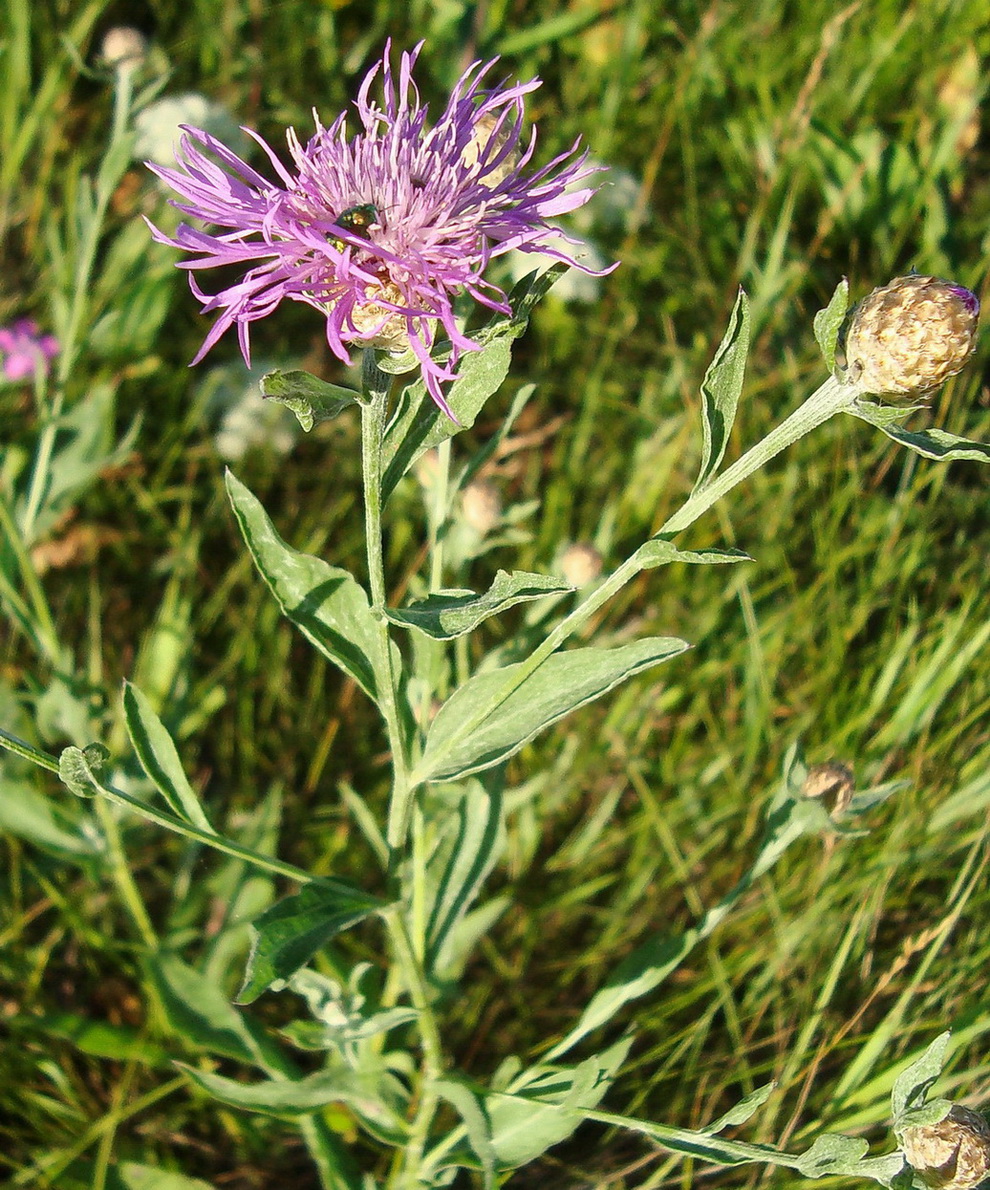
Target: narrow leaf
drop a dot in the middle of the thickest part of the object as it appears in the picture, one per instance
(721, 388)
(293, 1097)
(311, 399)
(134, 1176)
(466, 1103)
(287, 935)
(829, 321)
(198, 1011)
(659, 552)
(468, 857)
(325, 602)
(912, 1085)
(448, 614)
(494, 714)
(549, 1105)
(159, 759)
(742, 1110)
(930, 444)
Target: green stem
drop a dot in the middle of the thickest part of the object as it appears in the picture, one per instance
(433, 1064)
(120, 870)
(164, 819)
(374, 409)
(830, 398)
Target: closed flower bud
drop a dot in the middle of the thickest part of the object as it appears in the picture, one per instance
(580, 564)
(833, 781)
(908, 337)
(953, 1154)
(482, 506)
(123, 45)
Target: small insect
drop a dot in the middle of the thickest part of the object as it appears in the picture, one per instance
(357, 220)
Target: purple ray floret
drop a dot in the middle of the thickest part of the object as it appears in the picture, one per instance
(379, 231)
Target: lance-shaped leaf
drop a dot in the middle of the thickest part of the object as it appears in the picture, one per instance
(287, 935)
(912, 1085)
(159, 758)
(720, 390)
(659, 552)
(364, 1093)
(829, 321)
(418, 424)
(311, 399)
(493, 714)
(475, 840)
(324, 601)
(931, 444)
(447, 614)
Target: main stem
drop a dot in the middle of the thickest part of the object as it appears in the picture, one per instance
(374, 410)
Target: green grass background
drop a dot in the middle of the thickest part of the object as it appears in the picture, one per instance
(771, 145)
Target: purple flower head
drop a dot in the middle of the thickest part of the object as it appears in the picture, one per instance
(23, 349)
(380, 231)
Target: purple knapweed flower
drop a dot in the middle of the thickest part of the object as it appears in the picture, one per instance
(381, 231)
(23, 349)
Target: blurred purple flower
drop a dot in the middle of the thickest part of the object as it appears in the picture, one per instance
(382, 231)
(23, 349)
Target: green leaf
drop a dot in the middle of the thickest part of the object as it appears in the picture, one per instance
(145, 1177)
(930, 444)
(659, 552)
(547, 1103)
(720, 390)
(30, 815)
(447, 614)
(912, 1085)
(198, 1011)
(101, 1039)
(467, 1104)
(832, 1156)
(829, 321)
(742, 1111)
(311, 399)
(82, 769)
(159, 758)
(294, 1097)
(494, 714)
(470, 851)
(419, 424)
(287, 935)
(325, 602)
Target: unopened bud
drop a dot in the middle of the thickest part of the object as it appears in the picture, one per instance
(833, 781)
(122, 44)
(580, 564)
(908, 337)
(482, 506)
(953, 1154)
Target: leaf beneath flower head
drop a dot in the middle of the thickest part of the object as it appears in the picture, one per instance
(418, 424)
(720, 390)
(930, 444)
(829, 321)
(311, 399)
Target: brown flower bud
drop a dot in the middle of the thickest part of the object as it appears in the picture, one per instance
(908, 337)
(953, 1154)
(482, 506)
(580, 564)
(833, 781)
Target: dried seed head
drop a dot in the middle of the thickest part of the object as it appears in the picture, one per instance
(833, 780)
(908, 337)
(482, 506)
(580, 564)
(953, 1154)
